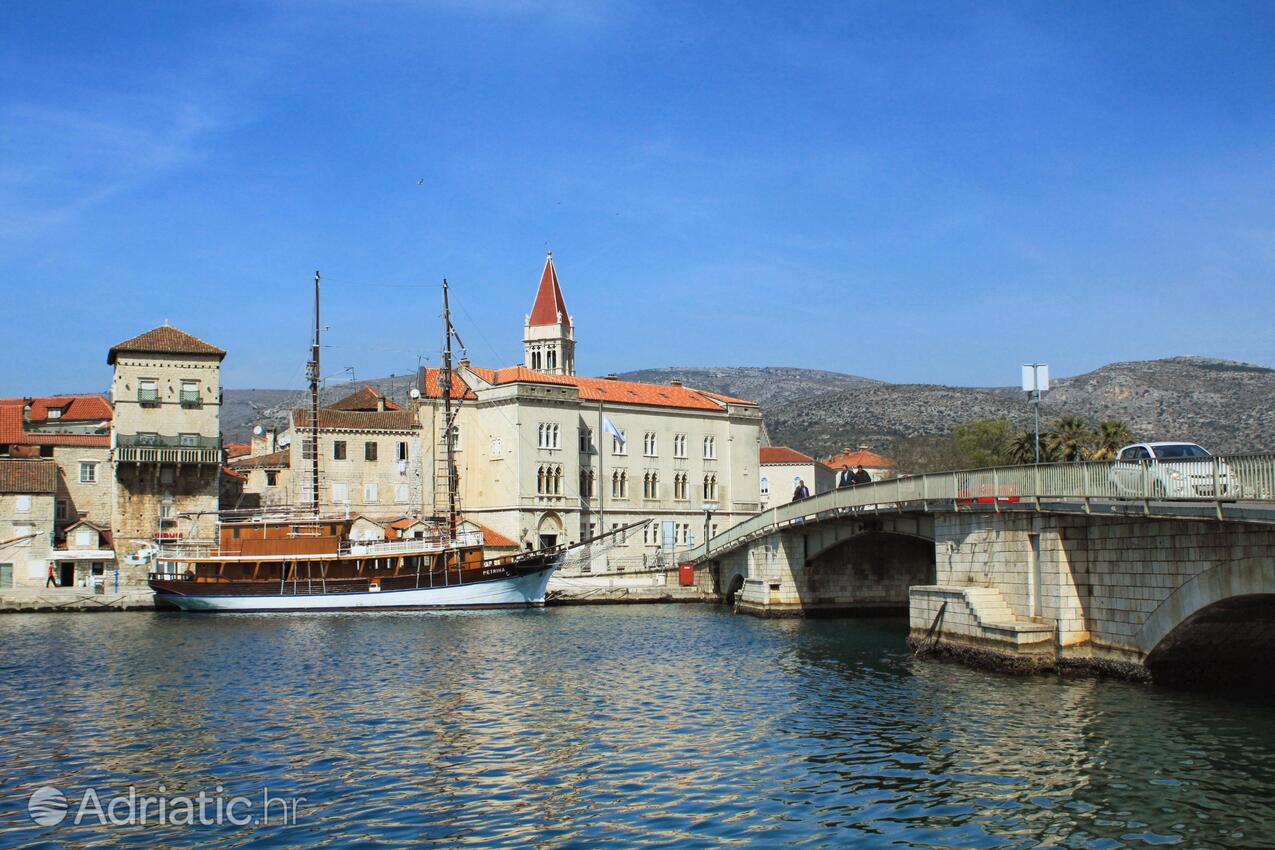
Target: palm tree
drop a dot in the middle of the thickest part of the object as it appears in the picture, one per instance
(1071, 439)
(1022, 448)
(1111, 436)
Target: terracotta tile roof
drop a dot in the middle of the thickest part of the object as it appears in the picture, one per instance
(594, 389)
(234, 450)
(75, 408)
(495, 538)
(37, 477)
(549, 307)
(357, 420)
(428, 381)
(225, 470)
(394, 530)
(281, 459)
(783, 454)
(11, 422)
(726, 398)
(862, 457)
(52, 439)
(13, 429)
(164, 339)
(366, 399)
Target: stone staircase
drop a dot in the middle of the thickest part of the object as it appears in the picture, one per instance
(978, 615)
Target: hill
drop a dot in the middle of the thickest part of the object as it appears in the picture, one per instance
(1225, 405)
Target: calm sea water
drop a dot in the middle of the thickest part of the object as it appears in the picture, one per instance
(678, 726)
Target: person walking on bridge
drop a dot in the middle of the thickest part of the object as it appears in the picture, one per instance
(861, 476)
(801, 492)
(845, 478)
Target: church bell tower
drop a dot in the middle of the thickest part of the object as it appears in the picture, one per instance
(548, 336)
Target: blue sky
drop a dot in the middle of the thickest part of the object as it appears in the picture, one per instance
(930, 193)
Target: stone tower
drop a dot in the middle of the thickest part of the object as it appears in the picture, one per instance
(166, 440)
(548, 336)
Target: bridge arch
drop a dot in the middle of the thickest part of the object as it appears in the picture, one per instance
(1219, 627)
(872, 568)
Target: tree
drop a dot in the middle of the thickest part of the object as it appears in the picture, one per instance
(1022, 448)
(1111, 436)
(917, 455)
(984, 442)
(1071, 439)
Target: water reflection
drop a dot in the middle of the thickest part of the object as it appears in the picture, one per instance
(614, 727)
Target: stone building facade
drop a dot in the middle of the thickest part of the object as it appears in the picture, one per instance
(370, 458)
(28, 488)
(537, 463)
(166, 452)
(780, 469)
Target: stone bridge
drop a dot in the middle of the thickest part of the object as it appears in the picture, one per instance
(1034, 567)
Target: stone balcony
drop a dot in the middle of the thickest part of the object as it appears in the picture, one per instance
(154, 448)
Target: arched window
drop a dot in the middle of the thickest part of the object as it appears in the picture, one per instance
(624, 485)
(557, 481)
(765, 486)
(540, 480)
(550, 358)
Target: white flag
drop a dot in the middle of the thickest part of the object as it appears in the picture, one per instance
(609, 427)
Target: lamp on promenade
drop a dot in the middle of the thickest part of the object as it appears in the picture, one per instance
(1035, 382)
(709, 507)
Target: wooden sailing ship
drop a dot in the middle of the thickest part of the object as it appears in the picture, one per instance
(299, 559)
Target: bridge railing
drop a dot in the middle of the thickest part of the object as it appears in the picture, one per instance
(1218, 479)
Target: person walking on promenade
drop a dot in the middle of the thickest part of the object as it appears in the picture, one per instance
(861, 476)
(52, 580)
(802, 491)
(845, 478)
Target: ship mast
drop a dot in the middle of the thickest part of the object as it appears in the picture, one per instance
(445, 387)
(312, 372)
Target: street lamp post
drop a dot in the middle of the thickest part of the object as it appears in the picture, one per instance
(1035, 382)
(709, 507)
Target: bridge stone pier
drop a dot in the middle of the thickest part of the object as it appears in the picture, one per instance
(1176, 600)
(1032, 568)
(849, 565)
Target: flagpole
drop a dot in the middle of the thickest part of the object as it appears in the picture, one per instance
(602, 509)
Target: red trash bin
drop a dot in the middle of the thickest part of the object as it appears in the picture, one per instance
(686, 574)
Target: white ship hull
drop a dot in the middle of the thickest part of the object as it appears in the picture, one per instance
(524, 591)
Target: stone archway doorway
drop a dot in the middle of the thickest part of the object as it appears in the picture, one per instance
(549, 532)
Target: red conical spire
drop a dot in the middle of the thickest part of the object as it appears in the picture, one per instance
(549, 308)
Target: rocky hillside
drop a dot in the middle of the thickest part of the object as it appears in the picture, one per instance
(245, 408)
(771, 387)
(1224, 405)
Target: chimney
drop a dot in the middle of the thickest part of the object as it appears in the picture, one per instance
(272, 439)
(675, 383)
(613, 377)
(380, 403)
